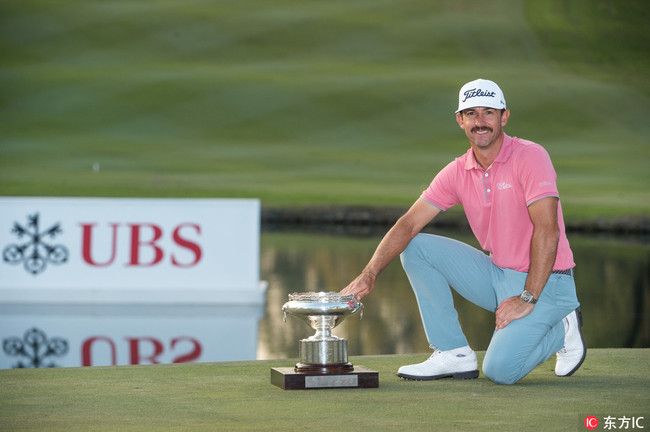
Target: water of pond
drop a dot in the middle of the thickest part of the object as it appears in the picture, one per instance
(612, 279)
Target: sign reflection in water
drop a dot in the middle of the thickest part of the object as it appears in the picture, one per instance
(612, 277)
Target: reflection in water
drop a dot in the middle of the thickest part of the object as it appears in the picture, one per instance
(73, 335)
(612, 278)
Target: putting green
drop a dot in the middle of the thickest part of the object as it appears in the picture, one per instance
(238, 396)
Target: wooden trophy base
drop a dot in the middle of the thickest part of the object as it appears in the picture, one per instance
(288, 378)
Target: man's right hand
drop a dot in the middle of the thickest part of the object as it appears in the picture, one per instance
(361, 286)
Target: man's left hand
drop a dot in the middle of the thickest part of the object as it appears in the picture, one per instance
(512, 309)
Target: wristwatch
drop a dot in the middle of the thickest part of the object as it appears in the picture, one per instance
(527, 297)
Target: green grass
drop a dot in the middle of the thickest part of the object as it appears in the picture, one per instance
(310, 102)
(239, 396)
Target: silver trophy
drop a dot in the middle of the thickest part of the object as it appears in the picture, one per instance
(323, 352)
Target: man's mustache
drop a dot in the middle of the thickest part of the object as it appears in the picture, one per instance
(482, 128)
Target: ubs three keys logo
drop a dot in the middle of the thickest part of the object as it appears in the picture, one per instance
(35, 248)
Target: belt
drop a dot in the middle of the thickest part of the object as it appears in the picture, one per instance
(568, 272)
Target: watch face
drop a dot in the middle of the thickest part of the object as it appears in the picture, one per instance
(526, 296)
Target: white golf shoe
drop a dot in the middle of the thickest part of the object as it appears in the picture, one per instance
(443, 364)
(571, 356)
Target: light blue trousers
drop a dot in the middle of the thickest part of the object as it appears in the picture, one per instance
(433, 264)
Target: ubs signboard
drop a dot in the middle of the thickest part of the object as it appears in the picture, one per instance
(128, 281)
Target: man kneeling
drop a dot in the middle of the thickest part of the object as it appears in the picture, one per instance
(507, 187)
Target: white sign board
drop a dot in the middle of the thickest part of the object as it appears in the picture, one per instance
(95, 281)
(88, 250)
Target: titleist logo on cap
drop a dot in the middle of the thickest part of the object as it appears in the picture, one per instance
(480, 93)
(476, 93)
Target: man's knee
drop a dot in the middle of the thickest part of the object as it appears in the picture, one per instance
(501, 370)
(414, 248)
(421, 247)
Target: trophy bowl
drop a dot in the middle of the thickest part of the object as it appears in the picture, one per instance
(322, 311)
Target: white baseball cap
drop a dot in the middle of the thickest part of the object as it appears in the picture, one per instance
(480, 93)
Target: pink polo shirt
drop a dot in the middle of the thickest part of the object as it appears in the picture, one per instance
(496, 200)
